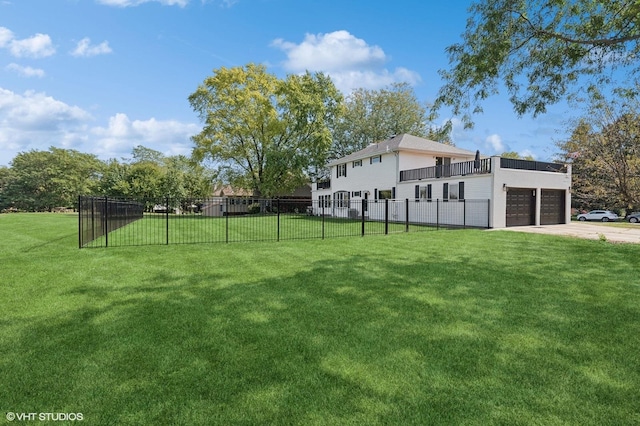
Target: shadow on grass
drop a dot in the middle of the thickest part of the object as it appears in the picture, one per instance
(362, 340)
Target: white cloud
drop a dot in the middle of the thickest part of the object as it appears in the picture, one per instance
(127, 3)
(84, 48)
(31, 112)
(25, 71)
(6, 35)
(350, 61)
(494, 142)
(36, 121)
(122, 134)
(336, 51)
(526, 153)
(37, 46)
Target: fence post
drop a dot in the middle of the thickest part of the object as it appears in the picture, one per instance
(464, 214)
(437, 214)
(386, 216)
(364, 207)
(79, 221)
(278, 207)
(166, 215)
(322, 215)
(93, 218)
(106, 222)
(226, 221)
(406, 215)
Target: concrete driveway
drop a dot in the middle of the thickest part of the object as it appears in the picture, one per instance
(618, 234)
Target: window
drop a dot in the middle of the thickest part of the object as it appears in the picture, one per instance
(453, 191)
(376, 159)
(384, 194)
(445, 192)
(425, 192)
(341, 199)
(356, 194)
(456, 191)
(341, 170)
(325, 201)
(357, 163)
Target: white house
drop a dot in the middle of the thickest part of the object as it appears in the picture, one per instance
(430, 182)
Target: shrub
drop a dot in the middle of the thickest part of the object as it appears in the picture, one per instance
(253, 208)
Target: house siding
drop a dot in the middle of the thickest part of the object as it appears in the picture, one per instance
(372, 178)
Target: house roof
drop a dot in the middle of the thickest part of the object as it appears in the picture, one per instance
(229, 191)
(404, 142)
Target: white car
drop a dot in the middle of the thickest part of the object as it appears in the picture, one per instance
(600, 215)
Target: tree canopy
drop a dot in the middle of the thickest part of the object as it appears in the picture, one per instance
(539, 50)
(43, 180)
(266, 134)
(374, 115)
(604, 150)
(152, 175)
(517, 156)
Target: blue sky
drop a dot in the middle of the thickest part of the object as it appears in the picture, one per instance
(102, 76)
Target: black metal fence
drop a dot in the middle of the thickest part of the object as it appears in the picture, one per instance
(225, 220)
(99, 216)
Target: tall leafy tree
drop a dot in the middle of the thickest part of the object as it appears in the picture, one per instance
(266, 134)
(43, 180)
(374, 115)
(538, 49)
(605, 152)
(186, 180)
(142, 154)
(114, 179)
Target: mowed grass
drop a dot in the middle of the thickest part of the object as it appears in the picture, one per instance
(448, 327)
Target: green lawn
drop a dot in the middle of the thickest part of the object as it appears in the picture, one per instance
(448, 327)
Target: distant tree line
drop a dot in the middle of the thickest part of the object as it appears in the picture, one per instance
(45, 180)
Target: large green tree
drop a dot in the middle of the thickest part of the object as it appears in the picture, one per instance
(374, 115)
(42, 180)
(604, 149)
(539, 50)
(266, 134)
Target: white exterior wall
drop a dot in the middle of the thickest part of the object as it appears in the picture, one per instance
(534, 180)
(366, 179)
(491, 186)
(477, 189)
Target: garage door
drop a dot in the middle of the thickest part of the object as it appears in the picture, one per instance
(521, 207)
(552, 207)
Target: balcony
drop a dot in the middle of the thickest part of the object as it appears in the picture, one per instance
(456, 169)
(468, 168)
